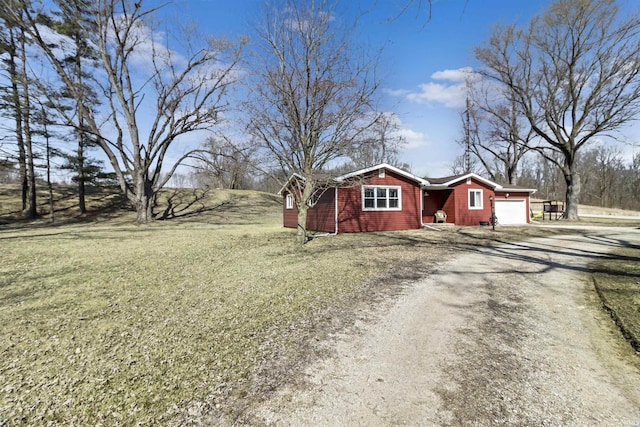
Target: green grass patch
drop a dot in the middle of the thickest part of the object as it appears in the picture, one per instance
(617, 280)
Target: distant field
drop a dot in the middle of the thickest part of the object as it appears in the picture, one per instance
(536, 206)
(186, 320)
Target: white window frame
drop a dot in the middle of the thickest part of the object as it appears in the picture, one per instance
(479, 198)
(289, 201)
(375, 189)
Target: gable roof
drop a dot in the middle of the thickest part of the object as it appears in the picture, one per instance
(450, 180)
(291, 178)
(445, 182)
(385, 166)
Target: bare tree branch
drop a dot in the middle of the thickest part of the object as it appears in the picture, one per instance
(574, 74)
(312, 97)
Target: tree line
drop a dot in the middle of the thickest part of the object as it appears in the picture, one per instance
(558, 87)
(93, 71)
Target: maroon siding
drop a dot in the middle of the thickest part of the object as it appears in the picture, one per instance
(319, 218)
(465, 216)
(289, 216)
(353, 219)
(322, 217)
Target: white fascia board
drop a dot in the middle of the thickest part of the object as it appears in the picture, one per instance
(517, 190)
(385, 166)
(286, 184)
(472, 175)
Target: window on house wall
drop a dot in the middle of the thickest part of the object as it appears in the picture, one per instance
(381, 198)
(289, 200)
(475, 199)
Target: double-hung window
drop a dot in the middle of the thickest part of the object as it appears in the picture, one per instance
(381, 198)
(475, 199)
(289, 201)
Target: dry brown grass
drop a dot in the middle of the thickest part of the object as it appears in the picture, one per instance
(617, 280)
(191, 319)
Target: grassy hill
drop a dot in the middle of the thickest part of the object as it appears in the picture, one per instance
(211, 206)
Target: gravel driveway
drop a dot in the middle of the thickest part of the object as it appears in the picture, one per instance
(498, 336)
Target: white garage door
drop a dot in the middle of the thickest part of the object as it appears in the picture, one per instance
(511, 211)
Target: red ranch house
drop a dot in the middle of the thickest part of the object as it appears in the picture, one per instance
(385, 198)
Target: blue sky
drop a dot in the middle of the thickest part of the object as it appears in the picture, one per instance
(420, 62)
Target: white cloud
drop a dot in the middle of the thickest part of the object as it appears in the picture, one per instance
(414, 139)
(398, 92)
(449, 90)
(452, 96)
(459, 75)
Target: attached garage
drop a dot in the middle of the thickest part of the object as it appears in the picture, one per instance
(511, 211)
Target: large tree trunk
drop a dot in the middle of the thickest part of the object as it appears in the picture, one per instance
(144, 200)
(32, 206)
(512, 177)
(144, 209)
(572, 179)
(81, 177)
(17, 113)
(301, 236)
(303, 206)
(22, 167)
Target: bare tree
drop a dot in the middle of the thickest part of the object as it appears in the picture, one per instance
(381, 143)
(500, 135)
(221, 163)
(311, 100)
(154, 94)
(602, 170)
(574, 73)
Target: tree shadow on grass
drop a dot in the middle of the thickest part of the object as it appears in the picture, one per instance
(497, 248)
(181, 204)
(206, 206)
(102, 204)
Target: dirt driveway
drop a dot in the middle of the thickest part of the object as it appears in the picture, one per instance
(502, 336)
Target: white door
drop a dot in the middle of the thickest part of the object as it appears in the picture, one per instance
(511, 211)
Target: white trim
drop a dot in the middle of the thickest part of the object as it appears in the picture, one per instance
(387, 187)
(495, 185)
(387, 167)
(480, 199)
(512, 201)
(286, 184)
(289, 201)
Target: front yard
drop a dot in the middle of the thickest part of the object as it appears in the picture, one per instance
(187, 321)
